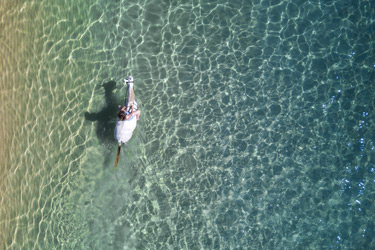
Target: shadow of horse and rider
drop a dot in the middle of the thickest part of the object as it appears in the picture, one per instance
(106, 119)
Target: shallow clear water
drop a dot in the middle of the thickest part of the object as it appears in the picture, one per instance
(257, 125)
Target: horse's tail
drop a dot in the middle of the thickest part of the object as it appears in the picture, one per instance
(118, 155)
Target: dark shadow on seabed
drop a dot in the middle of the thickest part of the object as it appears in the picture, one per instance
(106, 121)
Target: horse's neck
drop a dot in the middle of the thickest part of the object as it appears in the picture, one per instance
(131, 96)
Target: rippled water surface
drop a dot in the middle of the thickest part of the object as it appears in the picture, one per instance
(257, 126)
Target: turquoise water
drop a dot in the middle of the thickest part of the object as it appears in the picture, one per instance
(257, 125)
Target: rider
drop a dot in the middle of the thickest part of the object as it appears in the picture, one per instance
(128, 114)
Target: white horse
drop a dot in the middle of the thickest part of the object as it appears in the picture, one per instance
(126, 119)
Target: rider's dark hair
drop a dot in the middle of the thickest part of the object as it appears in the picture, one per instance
(121, 115)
